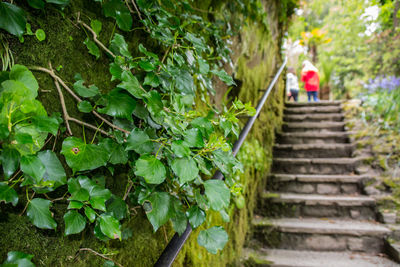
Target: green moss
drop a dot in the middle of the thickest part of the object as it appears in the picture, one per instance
(256, 54)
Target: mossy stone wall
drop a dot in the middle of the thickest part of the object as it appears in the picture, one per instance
(256, 56)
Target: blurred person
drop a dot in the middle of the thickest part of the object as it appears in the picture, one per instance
(292, 85)
(310, 77)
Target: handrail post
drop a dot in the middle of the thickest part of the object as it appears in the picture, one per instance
(175, 245)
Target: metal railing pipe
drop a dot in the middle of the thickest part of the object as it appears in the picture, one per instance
(174, 246)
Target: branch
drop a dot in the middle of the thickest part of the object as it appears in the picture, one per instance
(100, 255)
(94, 36)
(137, 10)
(64, 108)
(77, 98)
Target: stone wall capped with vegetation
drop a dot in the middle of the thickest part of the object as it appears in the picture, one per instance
(114, 115)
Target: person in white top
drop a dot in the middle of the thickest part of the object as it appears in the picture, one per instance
(292, 85)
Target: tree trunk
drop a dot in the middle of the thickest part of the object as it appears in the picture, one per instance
(396, 10)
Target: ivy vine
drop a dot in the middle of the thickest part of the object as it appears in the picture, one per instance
(148, 124)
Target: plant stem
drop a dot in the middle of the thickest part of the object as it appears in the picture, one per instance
(100, 255)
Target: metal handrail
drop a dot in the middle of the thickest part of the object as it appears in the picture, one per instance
(173, 248)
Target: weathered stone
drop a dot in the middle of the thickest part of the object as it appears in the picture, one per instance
(355, 214)
(389, 217)
(349, 188)
(301, 188)
(371, 190)
(327, 189)
(355, 244)
(317, 211)
(324, 243)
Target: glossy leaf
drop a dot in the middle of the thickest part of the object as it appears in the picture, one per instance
(131, 84)
(161, 209)
(54, 170)
(213, 239)
(178, 216)
(73, 204)
(40, 35)
(84, 91)
(118, 10)
(39, 214)
(119, 46)
(194, 138)
(13, 19)
(116, 151)
(92, 47)
(139, 141)
(46, 124)
(33, 166)
(90, 214)
(117, 207)
(110, 226)
(85, 106)
(23, 75)
(151, 169)
(119, 105)
(8, 194)
(81, 156)
(151, 79)
(18, 259)
(180, 148)
(185, 168)
(96, 25)
(38, 4)
(74, 222)
(196, 216)
(218, 194)
(225, 77)
(9, 161)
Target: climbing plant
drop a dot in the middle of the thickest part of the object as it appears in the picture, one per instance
(148, 124)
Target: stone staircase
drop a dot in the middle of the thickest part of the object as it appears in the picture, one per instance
(314, 212)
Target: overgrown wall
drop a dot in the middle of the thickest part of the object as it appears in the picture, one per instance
(256, 56)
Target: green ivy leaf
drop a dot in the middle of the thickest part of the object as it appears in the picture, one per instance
(203, 166)
(74, 222)
(180, 148)
(23, 75)
(84, 91)
(8, 194)
(39, 214)
(110, 226)
(154, 103)
(46, 124)
(160, 211)
(90, 214)
(9, 160)
(147, 65)
(184, 82)
(96, 26)
(33, 166)
(54, 170)
(225, 77)
(81, 156)
(152, 80)
(38, 4)
(116, 71)
(194, 138)
(204, 68)
(13, 19)
(119, 105)
(73, 204)
(40, 35)
(117, 207)
(151, 169)
(81, 195)
(218, 194)
(213, 239)
(185, 168)
(62, 3)
(119, 46)
(98, 197)
(178, 217)
(92, 47)
(131, 84)
(85, 106)
(18, 259)
(196, 216)
(139, 141)
(118, 10)
(116, 151)
(204, 125)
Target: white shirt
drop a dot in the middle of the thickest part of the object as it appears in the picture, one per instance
(291, 82)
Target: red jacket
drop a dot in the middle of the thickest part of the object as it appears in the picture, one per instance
(311, 80)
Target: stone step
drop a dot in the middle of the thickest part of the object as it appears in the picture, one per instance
(314, 117)
(315, 109)
(313, 104)
(313, 137)
(315, 165)
(304, 258)
(313, 150)
(320, 234)
(317, 206)
(331, 126)
(316, 184)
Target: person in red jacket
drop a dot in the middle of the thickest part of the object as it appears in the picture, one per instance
(310, 77)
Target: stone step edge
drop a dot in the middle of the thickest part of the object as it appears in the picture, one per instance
(316, 125)
(336, 161)
(310, 104)
(315, 115)
(324, 226)
(316, 199)
(313, 146)
(319, 178)
(316, 134)
(308, 258)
